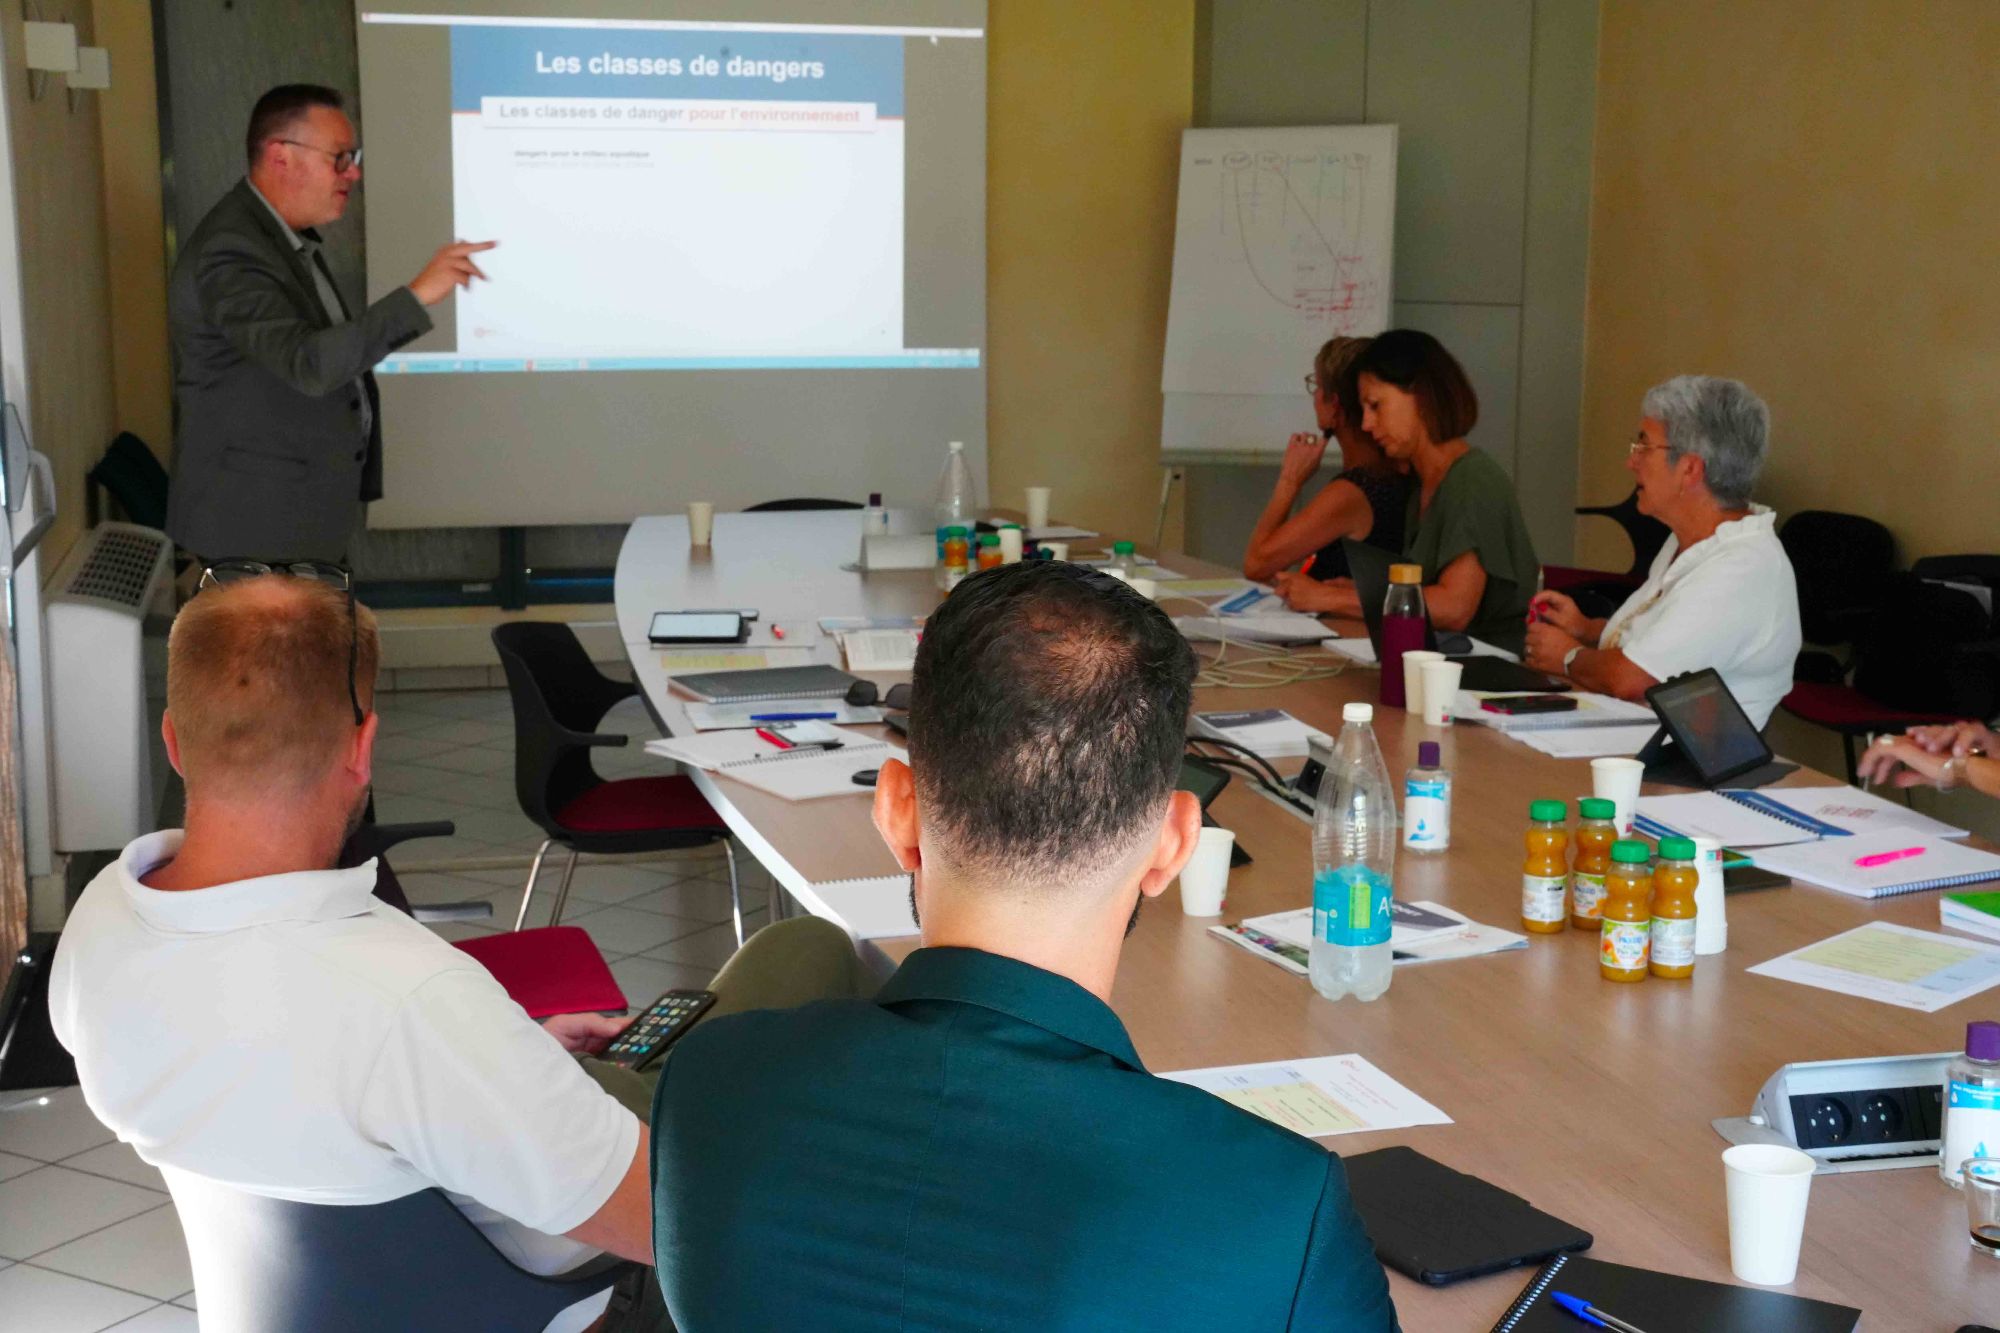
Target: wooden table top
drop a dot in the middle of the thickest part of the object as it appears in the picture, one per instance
(1589, 1098)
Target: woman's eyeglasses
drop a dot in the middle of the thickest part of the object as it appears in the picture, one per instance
(236, 571)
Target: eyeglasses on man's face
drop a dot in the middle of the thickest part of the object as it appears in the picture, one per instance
(342, 160)
(236, 571)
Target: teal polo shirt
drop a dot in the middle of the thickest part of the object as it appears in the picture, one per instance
(979, 1147)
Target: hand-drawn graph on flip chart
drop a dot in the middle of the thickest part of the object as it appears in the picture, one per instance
(1284, 239)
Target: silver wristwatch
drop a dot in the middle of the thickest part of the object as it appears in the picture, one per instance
(1570, 656)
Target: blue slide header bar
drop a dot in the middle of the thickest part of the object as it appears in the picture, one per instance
(724, 66)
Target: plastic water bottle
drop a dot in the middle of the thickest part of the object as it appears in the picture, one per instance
(1427, 802)
(1971, 1103)
(1354, 857)
(957, 497)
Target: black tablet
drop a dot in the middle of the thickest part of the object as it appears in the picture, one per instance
(1705, 738)
(1438, 1225)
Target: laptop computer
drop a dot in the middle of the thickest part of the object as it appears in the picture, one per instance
(1369, 567)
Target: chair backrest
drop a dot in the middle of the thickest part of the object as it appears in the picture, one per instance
(556, 692)
(266, 1265)
(135, 479)
(797, 505)
(1841, 563)
(1647, 534)
(1930, 649)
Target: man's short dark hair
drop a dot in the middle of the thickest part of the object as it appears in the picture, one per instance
(279, 110)
(1048, 715)
(1419, 365)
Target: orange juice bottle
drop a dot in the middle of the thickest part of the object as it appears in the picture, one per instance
(1673, 909)
(1546, 875)
(1625, 944)
(1594, 835)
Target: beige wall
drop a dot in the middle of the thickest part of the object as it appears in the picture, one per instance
(134, 231)
(65, 291)
(1804, 197)
(1085, 107)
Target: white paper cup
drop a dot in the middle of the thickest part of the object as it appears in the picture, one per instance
(1010, 546)
(1056, 550)
(1146, 588)
(1205, 878)
(1440, 691)
(1413, 678)
(1038, 506)
(1767, 1186)
(701, 522)
(1617, 781)
(1711, 916)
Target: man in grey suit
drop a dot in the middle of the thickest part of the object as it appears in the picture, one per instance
(278, 441)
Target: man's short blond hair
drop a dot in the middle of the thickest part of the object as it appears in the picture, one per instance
(257, 683)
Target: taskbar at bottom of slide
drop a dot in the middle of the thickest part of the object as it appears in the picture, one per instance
(445, 363)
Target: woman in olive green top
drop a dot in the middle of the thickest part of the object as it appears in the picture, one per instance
(1464, 525)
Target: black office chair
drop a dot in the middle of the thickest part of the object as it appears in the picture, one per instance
(375, 840)
(266, 1265)
(559, 697)
(1842, 563)
(1646, 534)
(798, 506)
(133, 477)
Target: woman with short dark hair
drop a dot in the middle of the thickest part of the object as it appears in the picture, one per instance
(1364, 502)
(1462, 524)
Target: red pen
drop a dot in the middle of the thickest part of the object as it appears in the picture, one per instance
(775, 739)
(777, 631)
(1307, 568)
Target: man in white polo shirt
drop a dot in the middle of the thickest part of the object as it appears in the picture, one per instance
(1721, 592)
(241, 1012)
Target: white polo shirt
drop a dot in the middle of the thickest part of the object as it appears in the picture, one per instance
(296, 1037)
(1729, 602)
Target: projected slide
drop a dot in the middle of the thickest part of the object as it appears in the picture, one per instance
(678, 197)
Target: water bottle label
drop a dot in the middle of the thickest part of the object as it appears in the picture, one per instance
(1586, 896)
(1673, 941)
(1971, 1124)
(1351, 906)
(1625, 946)
(1542, 897)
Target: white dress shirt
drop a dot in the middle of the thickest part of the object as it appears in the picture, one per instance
(1728, 602)
(296, 1037)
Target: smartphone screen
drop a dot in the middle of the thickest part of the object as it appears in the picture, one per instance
(695, 627)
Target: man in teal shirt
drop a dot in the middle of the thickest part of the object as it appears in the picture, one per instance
(980, 1147)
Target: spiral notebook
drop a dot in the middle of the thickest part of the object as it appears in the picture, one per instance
(871, 909)
(809, 775)
(1745, 818)
(800, 682)
(1665, 1303)
(1830, 863)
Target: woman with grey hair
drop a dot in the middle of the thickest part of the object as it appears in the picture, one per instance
(1721, 592)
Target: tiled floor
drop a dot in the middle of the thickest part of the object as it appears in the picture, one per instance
(88, 1235)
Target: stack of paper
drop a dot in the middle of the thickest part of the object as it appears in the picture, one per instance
(1419, 932)
(1974, 913)
(1270, 732)
(1589, 742)
(880, 649)
(1592, 710)
(720, 749)
(1256, 627)
(1914, 969)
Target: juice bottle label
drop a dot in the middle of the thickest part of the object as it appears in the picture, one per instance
(1351, 906)
(1424, 826)
(1624, 946)
(1542, 897)
(1586, 895)
(1673, 941)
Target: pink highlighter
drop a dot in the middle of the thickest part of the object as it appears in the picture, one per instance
(1884, 858)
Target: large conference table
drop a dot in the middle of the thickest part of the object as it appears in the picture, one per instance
(1590, 1099)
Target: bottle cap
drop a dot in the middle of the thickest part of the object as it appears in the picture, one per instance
(1630, 850)
(955, 530)
(1982, 1040)
(989, 539)
(1548, 812)
(1122, 548)
(875, 499)
(1406, 573)
(1005, 524)
(1596, 807)
(1427, 754)
(1677, 849)
(1357, 712)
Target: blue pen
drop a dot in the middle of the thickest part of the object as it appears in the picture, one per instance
(792, 717)
(1243, 601)
(1590, 1314)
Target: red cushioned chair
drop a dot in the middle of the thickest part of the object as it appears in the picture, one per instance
(1849, 713)
(559, 696)
(551, 970)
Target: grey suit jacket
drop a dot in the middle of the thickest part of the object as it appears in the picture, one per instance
(271, 457)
